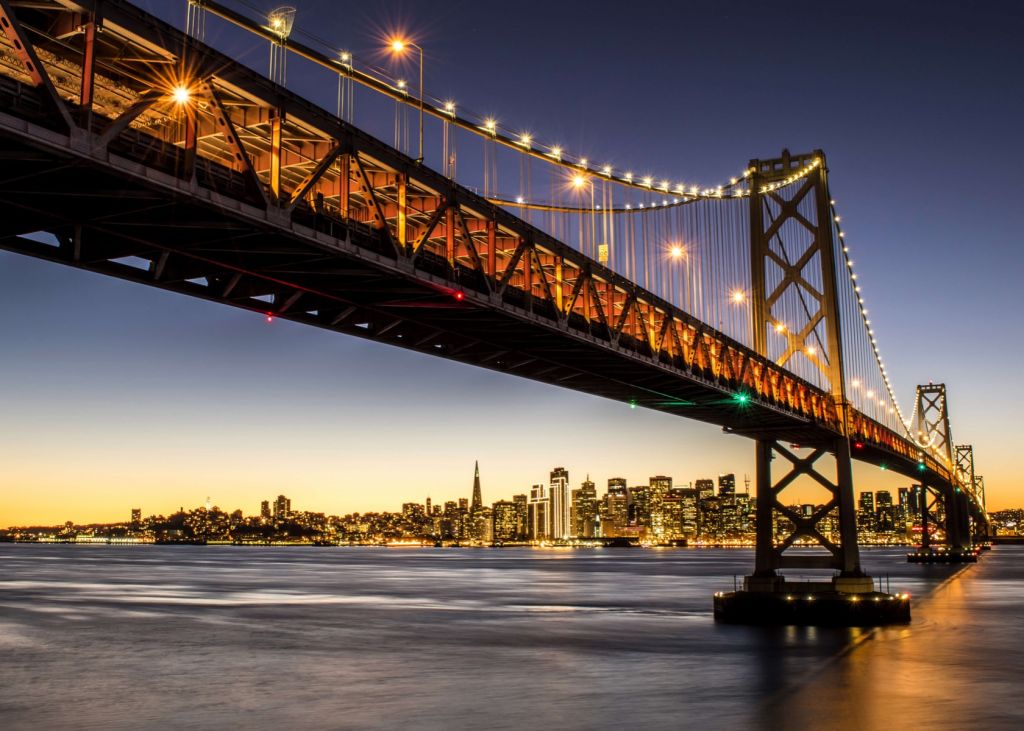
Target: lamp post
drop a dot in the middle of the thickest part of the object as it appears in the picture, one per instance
(398, 46)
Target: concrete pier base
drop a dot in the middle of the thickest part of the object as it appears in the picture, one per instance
(842, 602)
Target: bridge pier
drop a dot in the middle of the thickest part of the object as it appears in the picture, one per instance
(959, 545)
(848, 598)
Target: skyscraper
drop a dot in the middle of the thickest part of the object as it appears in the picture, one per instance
(866, 512)
(561, 504)
(265, 510)
(539, 514)
(584, 510)
(688, 511)
(505, 519)
(136, 516)
(477, 499)
(282, 507)
(615, 508)
(726, 485)
(658, 490)
(522, 503)
(640, 506)
(884, 518)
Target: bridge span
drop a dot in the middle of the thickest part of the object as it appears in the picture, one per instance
(135, 150)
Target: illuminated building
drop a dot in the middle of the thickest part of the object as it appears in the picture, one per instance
(640, 507)
(688, 510)
(705, 489)
(866, 513)
(539, 514)
(584, 510)
(505, 521)
(884, 518)
(561, 504)
(615, 509)
(265, 511)
(672, 515)
(136, 516)
(282, 508)
(477, 498)
(522, 503)
(903, 509)
(727, 485)
(657, 492)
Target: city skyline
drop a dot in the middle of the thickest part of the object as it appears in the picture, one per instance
(482, 489)
(706, 511)
(144, 390)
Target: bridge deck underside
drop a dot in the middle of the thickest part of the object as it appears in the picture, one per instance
(100, 219)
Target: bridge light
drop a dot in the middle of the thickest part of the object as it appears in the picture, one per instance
(740, 398)
(281, 21)
(398, 45)
(738, 296)
(525, 139)
(459, 295)
(578, 181)
(632, 403)
(858, 445)
(346, 57)
(449, 106)
(181, 95)
(490, 124)
(556, 152)
(401, 84)
(677, 251)
(270, 317)
(780, 327)
(810, 350)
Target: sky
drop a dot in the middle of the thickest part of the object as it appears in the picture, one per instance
(117, 396)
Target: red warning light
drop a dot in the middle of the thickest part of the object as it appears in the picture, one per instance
(858, 445)
(460, 295)
(270, 317)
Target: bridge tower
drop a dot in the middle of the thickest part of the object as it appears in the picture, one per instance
(935, 438)
(974, 522)
(793, 269)
(793, 259)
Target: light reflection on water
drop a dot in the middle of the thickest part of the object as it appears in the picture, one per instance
(217, 637)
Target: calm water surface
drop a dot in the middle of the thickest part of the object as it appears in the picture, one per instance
(220, 637)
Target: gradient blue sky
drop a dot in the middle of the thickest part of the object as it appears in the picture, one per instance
(115, 395)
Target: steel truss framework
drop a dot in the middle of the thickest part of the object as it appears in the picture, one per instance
(770, 555)
(799, 260)
(248, 195)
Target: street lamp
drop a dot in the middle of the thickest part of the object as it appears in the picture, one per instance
(398, 47)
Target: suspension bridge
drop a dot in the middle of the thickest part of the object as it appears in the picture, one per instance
(137, 150)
